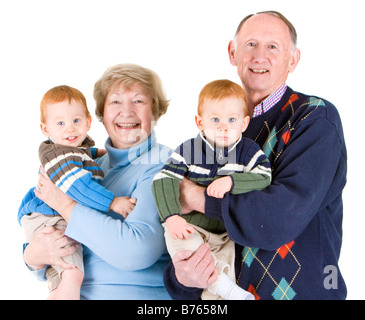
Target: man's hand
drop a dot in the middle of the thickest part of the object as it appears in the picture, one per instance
(195, 270)
(192, 197)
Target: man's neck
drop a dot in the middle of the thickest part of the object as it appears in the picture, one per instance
(254, 98)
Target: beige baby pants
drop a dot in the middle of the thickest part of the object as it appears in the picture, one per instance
(222, 248)
(31, 224)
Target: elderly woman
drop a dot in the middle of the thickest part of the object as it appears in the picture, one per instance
(124, 259)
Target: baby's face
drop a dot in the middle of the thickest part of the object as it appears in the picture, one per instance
(66, 123)
(223, 121)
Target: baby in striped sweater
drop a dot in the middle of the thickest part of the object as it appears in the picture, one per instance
(67, 157)
(222, 160)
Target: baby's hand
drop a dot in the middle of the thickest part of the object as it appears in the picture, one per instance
(178, 227)
(218, 188)
(123, 205)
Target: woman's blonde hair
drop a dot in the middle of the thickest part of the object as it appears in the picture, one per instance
(128, 75)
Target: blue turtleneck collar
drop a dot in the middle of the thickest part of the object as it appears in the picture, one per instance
(123, 157)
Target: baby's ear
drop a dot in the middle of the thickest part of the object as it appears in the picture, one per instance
(199, 122)
(246, 121)
(89, 120)
(44, 129)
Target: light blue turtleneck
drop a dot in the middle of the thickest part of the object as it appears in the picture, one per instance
(124, 259)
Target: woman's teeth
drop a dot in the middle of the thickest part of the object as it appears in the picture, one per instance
(127, 125)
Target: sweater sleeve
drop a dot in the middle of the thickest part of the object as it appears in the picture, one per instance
(311, 164)
(165, 186)
(175, 289)
(66, 170)
(257, 172)
(133, 244)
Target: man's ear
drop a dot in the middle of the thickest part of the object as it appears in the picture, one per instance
(294, 60)
(232, 52)
(44, 129)
(199, 122)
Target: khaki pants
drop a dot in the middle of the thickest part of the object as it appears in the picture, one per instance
(31, 224)
(222, 248)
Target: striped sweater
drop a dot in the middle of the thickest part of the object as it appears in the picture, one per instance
(197, 160)
(73, 170)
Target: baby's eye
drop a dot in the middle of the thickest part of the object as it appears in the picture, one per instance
(231, 119)
(215, 119)
(76, 120)
(60, 123)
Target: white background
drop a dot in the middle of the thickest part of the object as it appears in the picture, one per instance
(48, 43)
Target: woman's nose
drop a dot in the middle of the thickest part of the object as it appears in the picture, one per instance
(126, 110)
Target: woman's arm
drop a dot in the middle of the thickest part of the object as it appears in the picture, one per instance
(133, 244)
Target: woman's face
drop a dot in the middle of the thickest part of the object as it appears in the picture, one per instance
(128, 116)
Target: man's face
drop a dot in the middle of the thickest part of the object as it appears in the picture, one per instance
(263, 54)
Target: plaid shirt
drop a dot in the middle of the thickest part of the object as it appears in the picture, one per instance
(269, 102)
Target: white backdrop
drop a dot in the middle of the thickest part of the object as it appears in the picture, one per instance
(48, 43)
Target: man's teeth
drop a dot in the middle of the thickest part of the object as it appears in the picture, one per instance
(259, 70)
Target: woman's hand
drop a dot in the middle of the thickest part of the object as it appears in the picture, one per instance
(48, 192)
(48, 247)
(192, 197)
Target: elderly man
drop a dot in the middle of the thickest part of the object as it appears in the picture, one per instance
(289, 235)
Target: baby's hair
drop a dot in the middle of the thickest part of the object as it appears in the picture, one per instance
(220, 89)
(60, 94)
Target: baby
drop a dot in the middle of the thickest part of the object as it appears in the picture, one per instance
(220, 159)
(67, 157)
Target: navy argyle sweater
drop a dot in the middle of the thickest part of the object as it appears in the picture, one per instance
(288, 235)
